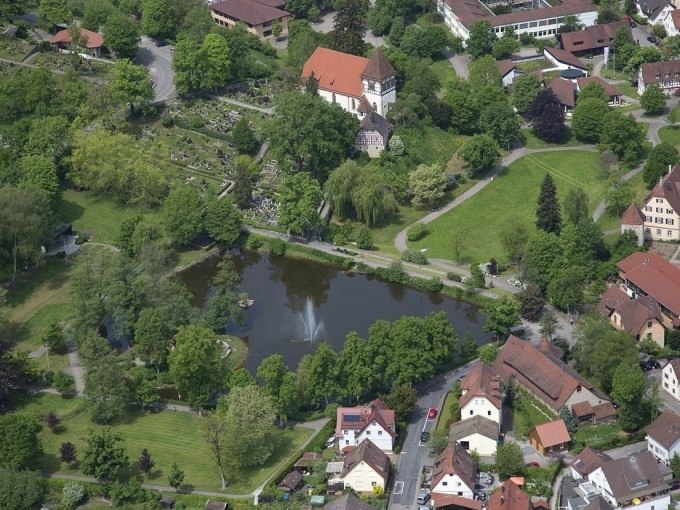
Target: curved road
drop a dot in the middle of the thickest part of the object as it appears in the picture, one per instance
(159, 62)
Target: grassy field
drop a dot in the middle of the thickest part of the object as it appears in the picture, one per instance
(88, 212)
(170, 436)
(449, 410)
(597, 436)
(531, 141)
(444, 71)
(533, 65)
(670, 135)
(609, 222)
(513, 193)
(525, 416)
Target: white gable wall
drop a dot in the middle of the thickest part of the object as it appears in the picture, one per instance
(481, 406)
(452, 484)
(481, 444)
(378, 435)
(670, 382)
(363, 478)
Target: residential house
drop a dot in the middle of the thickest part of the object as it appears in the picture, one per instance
(543, 374)
(91, 42)
(663, 436)
(649, 274)
(658, 219)
(215, 505)
(593, 414)
(654, 10)
(291, 481)
(665, 74)
(640, 316)
(671, 22)
(586, 462)
(359, 85)
(348, 502)
(454, 472)
(563, 60)
(564, 92)
(364, 468)
(452, 502)
(509, 497)
(476, 434)
(508, 71)
(374, 132)
(594, 39)
(308, 460)
(460, 15)
(670, 378)
(550, 437)
(482, 394)
(258, 16)
(372, 421)
(610, 90)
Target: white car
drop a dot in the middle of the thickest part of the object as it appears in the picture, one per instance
(330, 441)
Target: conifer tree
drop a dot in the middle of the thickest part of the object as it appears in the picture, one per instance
(548, 212)
(349, 27)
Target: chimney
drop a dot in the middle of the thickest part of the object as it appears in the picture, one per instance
(502, 500)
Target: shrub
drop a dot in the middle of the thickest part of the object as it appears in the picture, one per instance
(339, 239)
(167, 120)
(433, 284)
(454, 277)
(416, 232)
(72, 494)
(414, 256)
(64, 383)
(363, 237)
(277, 247)
(254, 242)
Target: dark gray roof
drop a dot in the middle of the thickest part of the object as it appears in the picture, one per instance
(348, 502)
(475, 425)
(652, 7)
(375, 122)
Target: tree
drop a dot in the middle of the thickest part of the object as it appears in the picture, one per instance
(244, 137)
(481, 39)
(498, 120)
(464, 113)
(571, 24)
(593, 91)
(21, 446)
(502, 314)
(673, 116)
(104, 456)
(588, 119)
(52, 421)
(106, 391)
(145, 463)
(658, 161)
(213, 429)
(219, 62)
(468, 348)
(548, 216)
(613, 349)
(548, 325)
(222, 306)
(349, 27)
(158, 17)
(152, 338)
(576, 205)
(52, 13)
(509, 459)
(531, 302)
(622, 135)
(402, 399)
(53, 338)
(514, 239)
(72, 495)
(480, 153)
(396, 31)
(175, 476)
(64, 383)
(619, 197)
(11, 8)
(39, 172)
(67, 453)
(428, 184)
(476, 279)
(222, 220)
(21, 490)
(95, 13)
(182, 214)
(547, 116)
(653, 100)
(565, 290)
(484, 72)
(505, 46)
(242, 192)
(569, 420)
(526, 88)
(121, 35)
(424, 42)
(196, 364)
(675, 465)
(543, 249)
(628, 388)
(131, 84)
(300, 197)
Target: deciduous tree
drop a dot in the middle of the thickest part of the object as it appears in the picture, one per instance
(175, 476)
(575, 205)
(67, 453)
(159, 17)
(104, 456)
(509, 459)
(52, 13)
(131, 84)
(182, 214)
(222, 220)
(531, 302)
(480, 153)
(526, 88)
(145, 463)
(588, 119)
(628, 388)
(106, 391)
(660, 157)
(121, 35)
(653, 100)
(152, 338)
(548, 325)
(622, 135)
(300, 197)
(21, 490)
(428, 184)
(20, 447)
(481, 40)
(547, 116)
(244, 137)
(502, 314)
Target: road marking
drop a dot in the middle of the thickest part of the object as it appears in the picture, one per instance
(399, 487)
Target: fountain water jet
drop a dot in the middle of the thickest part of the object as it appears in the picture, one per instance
(309, 321)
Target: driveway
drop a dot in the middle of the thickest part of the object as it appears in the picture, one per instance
(407, 478)
(159, 62)
(640, 35)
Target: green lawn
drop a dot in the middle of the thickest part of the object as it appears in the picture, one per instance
(88, 212)
(525, 416)
(628, 90)
(670, 135)
(610, 74)
(533, 65)
(513, 193)
(429, 144)
(531, 141)
(444, 71)
(449, 411)
(170, 436)
(597, 436)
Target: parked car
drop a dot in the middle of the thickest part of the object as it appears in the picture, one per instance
(423, 497)
(645, 365)
(424, 437)
(432, 413)
(160, 42)
(330, 441)
(654, 363)
(651, 39)
(675, 485)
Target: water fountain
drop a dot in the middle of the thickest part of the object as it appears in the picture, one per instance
(309, 322)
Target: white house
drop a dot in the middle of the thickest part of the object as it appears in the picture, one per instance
(508, 71)
(663, 436)
(372, 421)
(359, 85)
(670, 380)
(654, 10)
(454, 472)
(476, 434)
(563, 60)
(364, 468)
(482, 394)
(671, 22)
(586, 462)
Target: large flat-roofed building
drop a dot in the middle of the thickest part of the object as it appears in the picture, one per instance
(460, 15)
(258, 16)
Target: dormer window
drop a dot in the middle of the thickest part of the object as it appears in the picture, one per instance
(578, 388)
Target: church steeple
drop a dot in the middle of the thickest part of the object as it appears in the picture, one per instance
(378, 67)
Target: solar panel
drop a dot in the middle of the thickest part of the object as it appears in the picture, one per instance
(352, 418)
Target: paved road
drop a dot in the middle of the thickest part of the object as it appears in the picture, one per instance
(159, 62)
(407, 477)
(460, 63)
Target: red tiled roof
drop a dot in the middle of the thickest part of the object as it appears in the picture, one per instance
(675, 17)
(665, 430)
(552, 433)
(637, 475)
(655, 276)
(94, 40)
(564, 90)
(588, 461)
(668, 188)
(455, 460)
(251, 12)
(509, 497)
(356, 419)
(369, 453)
(566, 57)
(635, 313)
(609, 89)
(469, 11)
(336, 71)
(633, 216)
(445, 501)
(593, 37)
(665, 70)
(505, 66)
(481, 381)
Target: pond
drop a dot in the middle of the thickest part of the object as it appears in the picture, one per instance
(286, 290)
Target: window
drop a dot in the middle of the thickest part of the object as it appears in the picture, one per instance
(666, 375)
(458, 484)
(471, 411)
(669, 233)
(345, 432)
(578, 388)
(445, 483)
(649, 324)
(460, 493)
(373, 485)
(659, 200)
(523, 26)
(333, 97)
(542, 23)
(267, 33)
(488, 413)
(533, 24)
(354, 106)
(658, 220)
(380, 432)
(648, 208)
(658, 231)
(659, 209)
(648, 230)
(669, 211)
(368, 432)
(346, 441)
(648, 218)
